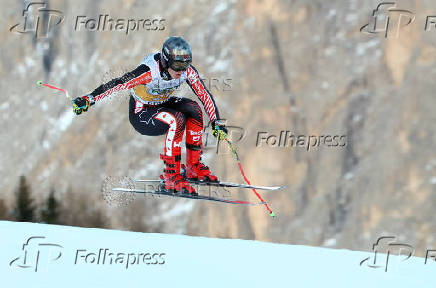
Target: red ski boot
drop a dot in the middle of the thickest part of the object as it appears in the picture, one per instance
(173, 181)
(195, 170)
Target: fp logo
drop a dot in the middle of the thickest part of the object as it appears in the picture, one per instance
(39, 21)
(388, 245)
(35, 252)
(388, 20)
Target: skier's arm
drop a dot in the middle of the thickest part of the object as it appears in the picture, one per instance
(194, 81)
(141, 75)
(202, 93)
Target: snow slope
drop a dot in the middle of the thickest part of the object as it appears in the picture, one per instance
(38, 255)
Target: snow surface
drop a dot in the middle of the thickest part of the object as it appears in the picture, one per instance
(68, 257)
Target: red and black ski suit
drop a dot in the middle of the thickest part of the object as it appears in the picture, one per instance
(153, 111)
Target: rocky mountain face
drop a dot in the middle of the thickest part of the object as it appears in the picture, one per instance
(298, 66)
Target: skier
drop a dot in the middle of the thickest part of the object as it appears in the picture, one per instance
(154, 111)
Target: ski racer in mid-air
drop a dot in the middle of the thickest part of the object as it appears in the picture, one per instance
(154, 111)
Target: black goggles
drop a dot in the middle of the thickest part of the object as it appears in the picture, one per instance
(179, 65)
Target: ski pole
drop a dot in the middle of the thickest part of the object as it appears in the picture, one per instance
(39, 83)
(271, 213)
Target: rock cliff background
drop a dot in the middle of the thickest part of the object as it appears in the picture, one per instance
(298, 66)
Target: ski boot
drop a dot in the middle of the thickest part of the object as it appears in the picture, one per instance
(195, 170)
(173, 181)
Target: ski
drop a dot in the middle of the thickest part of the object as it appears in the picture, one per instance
(199, 197)
(222, 184)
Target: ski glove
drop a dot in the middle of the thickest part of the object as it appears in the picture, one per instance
(219, 129)
(81, 104)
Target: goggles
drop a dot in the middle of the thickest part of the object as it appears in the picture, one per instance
(179, 65)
